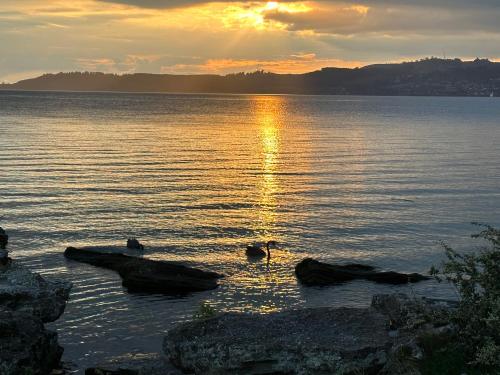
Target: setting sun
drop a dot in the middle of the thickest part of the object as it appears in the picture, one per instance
(271, 5)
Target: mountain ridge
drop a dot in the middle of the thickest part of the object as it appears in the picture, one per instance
(426, 77)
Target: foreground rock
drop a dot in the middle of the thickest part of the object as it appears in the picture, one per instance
(311, 341)
(145, 275)
(26, 347)
(311, 272)
(135, 364)
(24, 291)
(26, 302)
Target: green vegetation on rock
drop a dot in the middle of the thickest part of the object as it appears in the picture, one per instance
(476, 276)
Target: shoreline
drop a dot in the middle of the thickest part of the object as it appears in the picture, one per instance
(230, 93)
(170, 363)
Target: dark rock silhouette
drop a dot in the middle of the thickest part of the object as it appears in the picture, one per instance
(27, 301)
(4, 239)
(311, 272)
(4, 254)
(103, 371)
(133, 243)
(26, 347)
(145, 275)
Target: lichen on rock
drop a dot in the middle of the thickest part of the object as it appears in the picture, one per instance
(319, 341)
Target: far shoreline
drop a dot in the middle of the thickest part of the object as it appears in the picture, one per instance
(212, 93)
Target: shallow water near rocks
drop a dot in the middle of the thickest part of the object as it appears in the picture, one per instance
(375, 180)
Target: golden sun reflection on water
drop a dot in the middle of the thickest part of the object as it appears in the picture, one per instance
(268, 116)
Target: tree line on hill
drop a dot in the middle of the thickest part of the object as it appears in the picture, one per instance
(429, 77)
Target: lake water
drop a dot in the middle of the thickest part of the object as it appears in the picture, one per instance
(377, 180)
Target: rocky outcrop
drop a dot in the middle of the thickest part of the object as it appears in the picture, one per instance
(310, 272)
(145, 275)
(24, 291)
(26, 347)
(317, 341)
(310, 341)
(26, 302)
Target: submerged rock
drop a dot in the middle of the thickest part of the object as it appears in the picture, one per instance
(145, 275)
(27, 300)
(311, 272)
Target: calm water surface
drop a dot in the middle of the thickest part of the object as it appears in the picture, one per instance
(196, 177)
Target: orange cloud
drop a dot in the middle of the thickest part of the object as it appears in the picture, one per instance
(299, 63)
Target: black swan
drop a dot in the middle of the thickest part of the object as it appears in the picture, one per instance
(256, 250)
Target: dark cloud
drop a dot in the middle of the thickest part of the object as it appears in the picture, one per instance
(160, 4)
(393, 20)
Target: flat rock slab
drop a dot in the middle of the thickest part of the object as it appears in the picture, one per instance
(310, 341)
(310, 272)
(145, 275)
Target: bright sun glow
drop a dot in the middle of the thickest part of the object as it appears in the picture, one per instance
(255, 17)
(271, 5)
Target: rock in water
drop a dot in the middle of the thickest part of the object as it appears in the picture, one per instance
(133, 243)
(311, 272)
(4, 254)
(145, 275)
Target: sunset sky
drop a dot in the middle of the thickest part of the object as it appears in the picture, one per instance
(191, 36)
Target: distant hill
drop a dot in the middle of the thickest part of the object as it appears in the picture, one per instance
(431, 77)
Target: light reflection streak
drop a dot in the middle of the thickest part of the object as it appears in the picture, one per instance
(268, 114)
